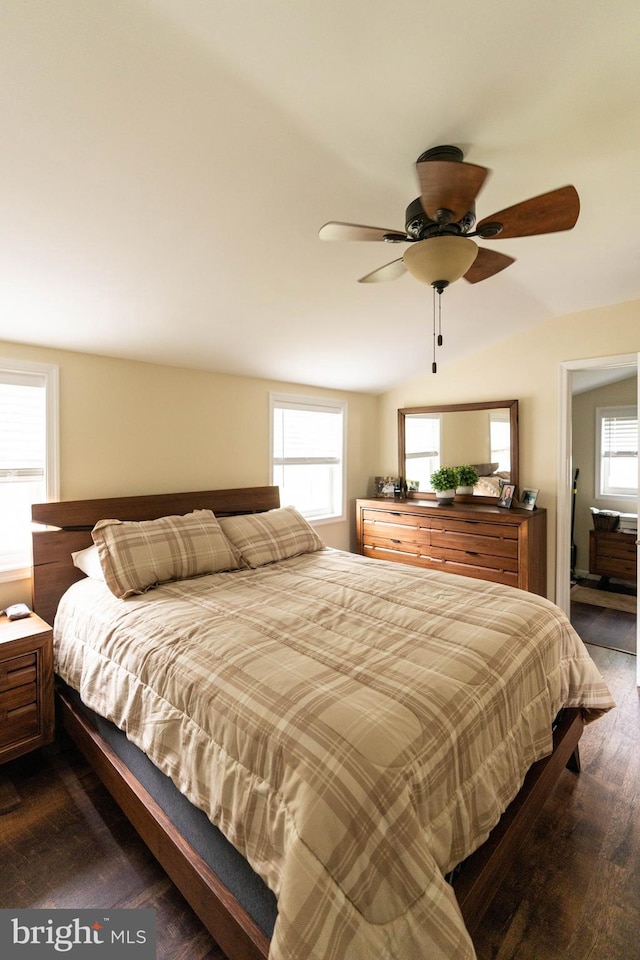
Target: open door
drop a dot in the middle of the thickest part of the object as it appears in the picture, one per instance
(603, 366)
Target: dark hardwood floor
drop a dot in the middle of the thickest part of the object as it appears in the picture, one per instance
(614, 629)
(65, 843)
(572, 895)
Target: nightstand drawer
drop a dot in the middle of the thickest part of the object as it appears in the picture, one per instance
(17, 697)
(17, 671)
(18, 724)
(26, 686)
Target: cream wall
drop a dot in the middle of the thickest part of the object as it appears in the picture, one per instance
(523, 367)
(129, 428)
(620, 394)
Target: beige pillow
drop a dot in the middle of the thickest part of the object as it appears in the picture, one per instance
(88, 560)
(136, 556)
(275, 535)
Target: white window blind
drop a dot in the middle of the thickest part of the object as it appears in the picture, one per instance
(28, 456)
(617, 451)
(307, 455)
(422, 447)
(500, 434)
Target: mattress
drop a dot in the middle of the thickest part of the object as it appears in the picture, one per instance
(355, 728)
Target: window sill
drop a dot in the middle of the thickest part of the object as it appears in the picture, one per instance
(20, 573)
(320, 521)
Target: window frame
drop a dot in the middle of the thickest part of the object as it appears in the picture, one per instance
(297, 401)
(629, 411)
(49, 373)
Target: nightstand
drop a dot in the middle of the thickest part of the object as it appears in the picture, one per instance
(26, 685)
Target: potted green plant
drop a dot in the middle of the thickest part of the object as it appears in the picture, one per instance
(467, 478)
(444, 482)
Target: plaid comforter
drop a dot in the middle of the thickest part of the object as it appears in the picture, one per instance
(354, 727)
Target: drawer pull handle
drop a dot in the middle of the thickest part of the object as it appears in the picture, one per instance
(395, 541)
(395, 513)
(472, 553)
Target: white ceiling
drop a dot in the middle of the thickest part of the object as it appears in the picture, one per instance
(166, 165)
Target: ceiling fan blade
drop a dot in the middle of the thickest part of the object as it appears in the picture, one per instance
(449, 185)
(357, 231)
(487, 264)
(390, 271)
(548, 213)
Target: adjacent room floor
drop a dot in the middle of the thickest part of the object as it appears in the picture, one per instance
(605, 615)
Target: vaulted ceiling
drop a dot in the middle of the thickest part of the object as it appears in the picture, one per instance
(166, 166)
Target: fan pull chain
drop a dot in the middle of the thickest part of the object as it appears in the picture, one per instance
(434, 365)
(437, 337)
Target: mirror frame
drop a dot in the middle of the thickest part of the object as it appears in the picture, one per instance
(511, 405)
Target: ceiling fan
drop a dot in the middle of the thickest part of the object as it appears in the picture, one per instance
(440, 223)
(445, 211)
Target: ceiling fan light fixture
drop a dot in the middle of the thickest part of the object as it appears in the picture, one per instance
(442, 259)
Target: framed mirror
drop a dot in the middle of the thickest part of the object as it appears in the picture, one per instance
(483, 434)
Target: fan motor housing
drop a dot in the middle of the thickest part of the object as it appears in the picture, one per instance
(420, 227)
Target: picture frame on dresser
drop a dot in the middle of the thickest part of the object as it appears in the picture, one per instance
(507, 495)
(386, 486)
(528, 498)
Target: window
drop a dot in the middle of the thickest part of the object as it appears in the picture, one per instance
(307, 455)
(422, 447)
(617, 452)
(500, 434)
(28, 456)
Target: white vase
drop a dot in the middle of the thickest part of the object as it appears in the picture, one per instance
(466, 490)
(445, 497)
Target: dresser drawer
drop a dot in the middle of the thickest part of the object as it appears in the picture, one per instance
(382, 552)
(390, 532)
(481, 568)
(493, 545)
(394, 518)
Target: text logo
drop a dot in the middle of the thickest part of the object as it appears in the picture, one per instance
(80, 934)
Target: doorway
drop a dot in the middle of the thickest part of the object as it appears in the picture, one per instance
(576, 375)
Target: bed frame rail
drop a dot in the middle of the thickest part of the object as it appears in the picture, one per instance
(480, 875)
(224, 917)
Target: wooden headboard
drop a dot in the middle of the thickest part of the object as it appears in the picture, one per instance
(73, 520)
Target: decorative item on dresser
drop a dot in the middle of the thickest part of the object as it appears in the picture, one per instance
(475, 540)
(26, 686)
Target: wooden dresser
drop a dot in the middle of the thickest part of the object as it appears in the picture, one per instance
(612, 554)
(475, 540)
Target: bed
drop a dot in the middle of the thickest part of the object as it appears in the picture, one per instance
(328, 714)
